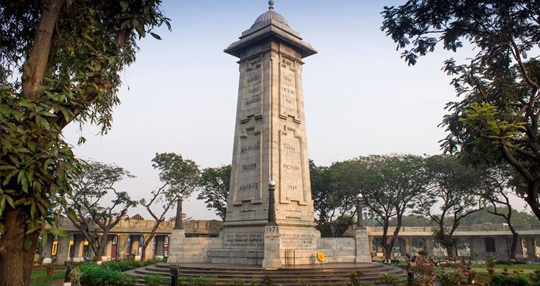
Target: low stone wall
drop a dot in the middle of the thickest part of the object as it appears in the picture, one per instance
(338, 250)
(192, 249)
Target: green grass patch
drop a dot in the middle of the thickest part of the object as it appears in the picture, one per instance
(40, 278)
(511, 267)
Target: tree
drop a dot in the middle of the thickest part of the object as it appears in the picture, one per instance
(86, 209)
(391, 186)
(497, 202)
(215, 183)
(179, 177)
(334, 191)
(455, 187)
(60, 61)
(497, 118)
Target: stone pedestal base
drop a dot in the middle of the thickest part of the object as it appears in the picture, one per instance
(272, 259)
(363, 252)
(175, 247)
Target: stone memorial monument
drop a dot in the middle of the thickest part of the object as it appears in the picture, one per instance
(270, 147)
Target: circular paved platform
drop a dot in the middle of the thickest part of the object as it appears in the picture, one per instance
(299, 275)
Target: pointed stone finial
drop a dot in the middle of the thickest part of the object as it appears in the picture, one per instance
(271, 5)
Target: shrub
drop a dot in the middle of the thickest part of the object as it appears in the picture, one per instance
(450, 276)
(156, 280)
(267, 281)
(197, 281)
(514, 280)
(535, 278)
(93, 274)
(235, 282)
(390, 279)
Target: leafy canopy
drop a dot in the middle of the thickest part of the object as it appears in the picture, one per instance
(497, 117)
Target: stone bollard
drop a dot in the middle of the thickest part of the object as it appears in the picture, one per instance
(67, 278)
(175, 272)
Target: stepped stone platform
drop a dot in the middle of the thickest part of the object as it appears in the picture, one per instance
(322, 274)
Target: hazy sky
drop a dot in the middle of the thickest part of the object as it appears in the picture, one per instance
(180, 96)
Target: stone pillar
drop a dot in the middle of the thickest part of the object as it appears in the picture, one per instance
(63, 250)
(362, 243)
(429, 245)
(272, 260)
(530, 248)
(519, 249)
(176, 242)
(122, 246)
(159, 245)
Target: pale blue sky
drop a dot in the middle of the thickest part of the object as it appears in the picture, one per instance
(360, 96)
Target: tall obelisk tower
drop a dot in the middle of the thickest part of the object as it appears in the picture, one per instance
(270, 137)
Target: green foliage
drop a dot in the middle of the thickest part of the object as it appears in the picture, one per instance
(455, 186)
(93, 274)
(535, 278)
(423, 270)
(389, 279)
(450, 276)
(254, 282)
(491, 262)
(85, 207)
(35, 162)
(267, 281)
(497, 117)
(353, 278)
(75, 277)
(235, 282)
(156, 280)
(125, 265)
(179, 177)
(197, 281)
(215, 183)
(67, 70)
(511, 280)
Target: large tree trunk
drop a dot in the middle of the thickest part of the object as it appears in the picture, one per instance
(15, 262)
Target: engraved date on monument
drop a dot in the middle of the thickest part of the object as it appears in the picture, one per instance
(289, 147)
(249, 167)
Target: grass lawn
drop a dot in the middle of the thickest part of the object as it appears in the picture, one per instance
(40, 278)
(511, 267)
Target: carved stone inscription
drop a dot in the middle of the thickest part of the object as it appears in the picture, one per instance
(252, 99)
(241, 240)
(297, 240)
(287, 90)
(248, 168)
(292, 185)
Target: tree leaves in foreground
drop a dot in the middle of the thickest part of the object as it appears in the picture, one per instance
(88, 207)
(498, 115)
(60, 61)
(215, 183)
(179, 177)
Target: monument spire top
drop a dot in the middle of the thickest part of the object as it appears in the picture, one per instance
(271, 5)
